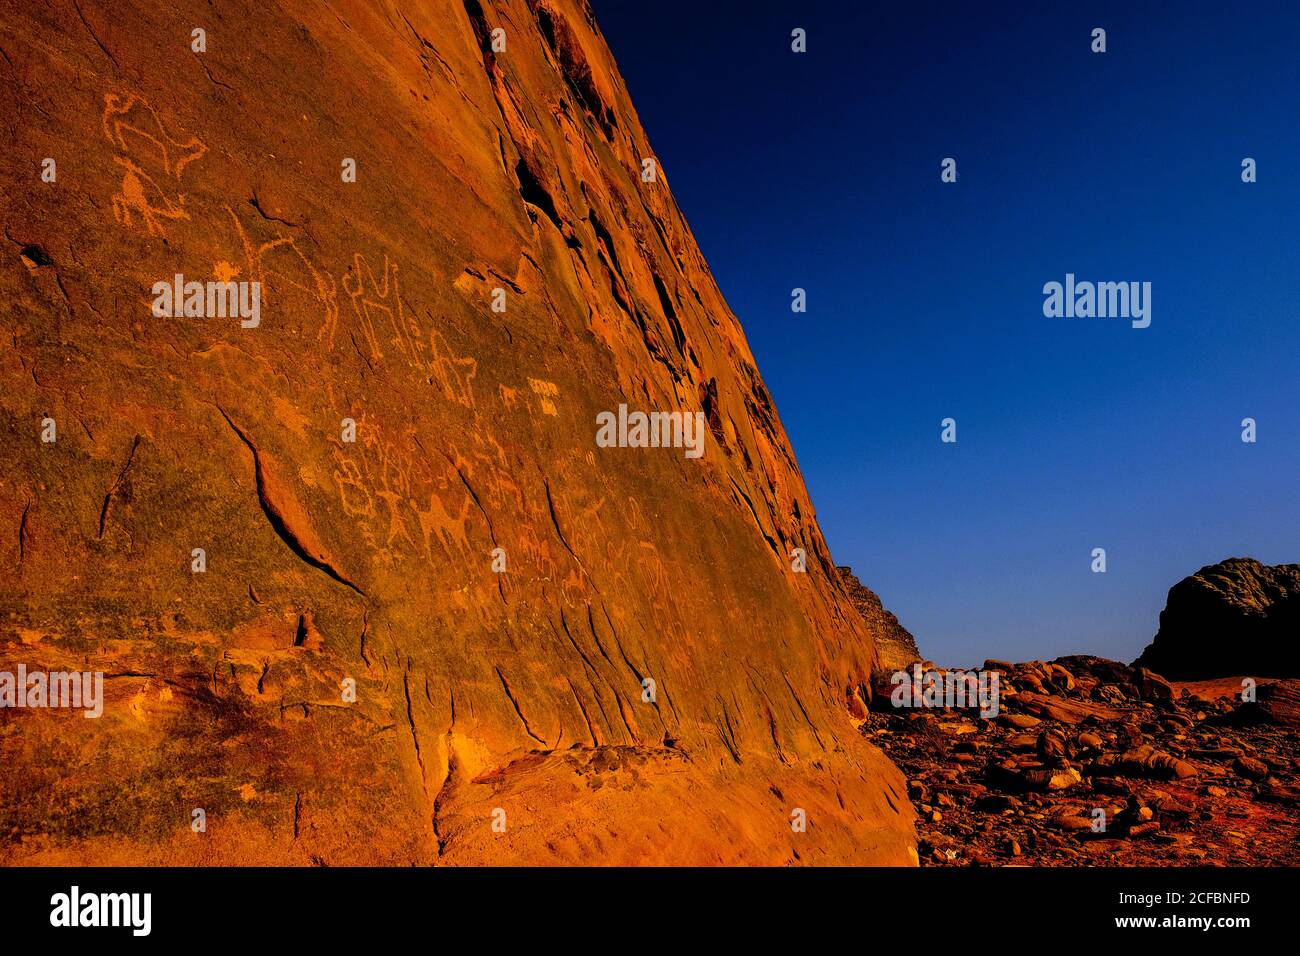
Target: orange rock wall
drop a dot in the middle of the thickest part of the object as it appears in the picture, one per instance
(513, 697)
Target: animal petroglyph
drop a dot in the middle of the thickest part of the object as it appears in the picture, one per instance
(152, 156)
(401, 504)
(286, 272)
(386, 321)
(132, 116)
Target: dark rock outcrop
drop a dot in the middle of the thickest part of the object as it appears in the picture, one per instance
(895, 645)
(1235, 618)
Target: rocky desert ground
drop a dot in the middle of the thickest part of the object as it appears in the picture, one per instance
(1092, 762)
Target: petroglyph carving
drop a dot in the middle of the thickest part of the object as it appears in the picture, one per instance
(401, 505)
(367, 307)
(547, 391)
(455, 375)
(286, 272)
(151, 154)
(387, 322)
(140, 192)
(132, 116)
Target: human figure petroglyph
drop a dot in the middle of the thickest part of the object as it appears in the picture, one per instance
(652, 570)
(394, 493)
(379, 301)
(151, 154)
(354, 493)
(362, 474)
(137, 186)
(401, 505)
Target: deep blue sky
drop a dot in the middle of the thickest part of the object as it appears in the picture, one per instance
(821, 170)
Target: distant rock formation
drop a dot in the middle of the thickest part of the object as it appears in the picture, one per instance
(1235, 618)
(364, 586)
(894, 643)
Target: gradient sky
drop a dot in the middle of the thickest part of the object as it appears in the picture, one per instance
(925, 299)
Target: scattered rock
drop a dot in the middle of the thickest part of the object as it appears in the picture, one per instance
(1121, 747)
(1143, 761)
(1250, 767)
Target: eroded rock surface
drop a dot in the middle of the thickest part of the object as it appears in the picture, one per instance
(509, 176)
(1235, 617)
(895, 646)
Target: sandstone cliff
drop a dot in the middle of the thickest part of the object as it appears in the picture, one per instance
(189, 513)
(1235, 618)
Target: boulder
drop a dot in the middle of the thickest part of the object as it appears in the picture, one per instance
(1143, 761)
(1152, 686)
(1235, 618)
(1279, 703)
(1067, 711)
